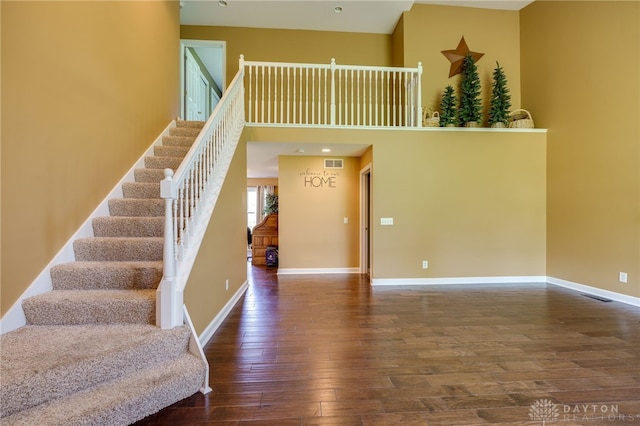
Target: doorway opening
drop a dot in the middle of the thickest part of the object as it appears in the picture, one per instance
(202, 77)
(365, 220)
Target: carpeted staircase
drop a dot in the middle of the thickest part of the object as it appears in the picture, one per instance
(90, 353)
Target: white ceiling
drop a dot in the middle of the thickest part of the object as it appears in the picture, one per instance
(365, 16)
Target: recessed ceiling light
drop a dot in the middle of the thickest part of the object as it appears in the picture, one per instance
(222, 3)
(326, 150)
(337, 9)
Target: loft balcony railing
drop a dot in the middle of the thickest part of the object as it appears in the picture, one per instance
(332, 95)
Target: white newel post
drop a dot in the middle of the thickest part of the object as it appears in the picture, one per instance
(166, 295)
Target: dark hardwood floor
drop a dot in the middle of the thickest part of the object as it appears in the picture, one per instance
(330, 350)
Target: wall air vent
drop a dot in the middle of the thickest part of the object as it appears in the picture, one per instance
(333, 163)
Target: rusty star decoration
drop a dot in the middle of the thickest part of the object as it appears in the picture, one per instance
(456, 57)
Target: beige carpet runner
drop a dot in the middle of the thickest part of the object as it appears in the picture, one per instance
(90, 353)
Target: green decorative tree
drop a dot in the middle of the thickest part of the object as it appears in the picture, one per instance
(470, 104)
(271, 204)
(448, 109)
(500, 98)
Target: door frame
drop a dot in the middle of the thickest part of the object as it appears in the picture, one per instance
(365, 220)
(200, 43)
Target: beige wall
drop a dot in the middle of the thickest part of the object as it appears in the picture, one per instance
(262, 181)
(294, 46)
(582, 80)
(313, 203)
(223, 254)
(86, 88)
(472, 203)
(430, 29)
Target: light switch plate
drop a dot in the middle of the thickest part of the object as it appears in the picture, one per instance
(386, 221)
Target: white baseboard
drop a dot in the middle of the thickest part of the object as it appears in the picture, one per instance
(208, 332)
(14, 318)
(306, 271)
(458, 280)
(618, 297)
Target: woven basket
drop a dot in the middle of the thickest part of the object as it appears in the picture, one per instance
(431, 118)
(516, 122)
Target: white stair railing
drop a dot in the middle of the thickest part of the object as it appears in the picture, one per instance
(330, 94)
(190, 195)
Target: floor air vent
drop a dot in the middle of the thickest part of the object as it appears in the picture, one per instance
(602, 299)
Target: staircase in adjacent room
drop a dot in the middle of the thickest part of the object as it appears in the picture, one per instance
(90, 353)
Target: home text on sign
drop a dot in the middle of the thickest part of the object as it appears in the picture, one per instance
(319, 179)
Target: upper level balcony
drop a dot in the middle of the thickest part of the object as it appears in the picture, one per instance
(283, 94)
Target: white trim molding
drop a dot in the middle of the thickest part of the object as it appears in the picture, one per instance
(307, 271)
(458, 280)
(208, 332)
(618, 297)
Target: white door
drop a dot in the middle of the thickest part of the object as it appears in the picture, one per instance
(196, 90)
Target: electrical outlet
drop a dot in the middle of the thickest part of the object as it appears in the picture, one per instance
(425, 264)
(622, 277)
(226, 284)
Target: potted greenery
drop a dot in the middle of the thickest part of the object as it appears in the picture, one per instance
(470, 112)
(500, 99)
(448, 109)
(271, 204)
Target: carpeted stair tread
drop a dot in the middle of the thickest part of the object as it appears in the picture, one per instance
(190, 123)
(106, 275)
(118, 249)
(185, 141)
(171, 151)
(43, 363)
(136, 207)
(122, 401)
(162, 162)
(76, 307)
(184, 131)
(124, 226)
(141, 190)
(148, 175)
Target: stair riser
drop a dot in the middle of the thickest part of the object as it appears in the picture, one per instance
(183, 141)
(106, 276)
(140, 208)
(118, 249)
(170, 151)
(141, 190)
(128, 227)
(148, 175)
(54, 311)
(184, 131)
(162, 162)
(190, 123)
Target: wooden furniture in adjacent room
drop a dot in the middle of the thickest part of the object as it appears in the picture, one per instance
(264, 234)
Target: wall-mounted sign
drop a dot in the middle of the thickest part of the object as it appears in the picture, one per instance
(320, 179)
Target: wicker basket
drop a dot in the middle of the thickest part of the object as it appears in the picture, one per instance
(431, 118)
(521, 119)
